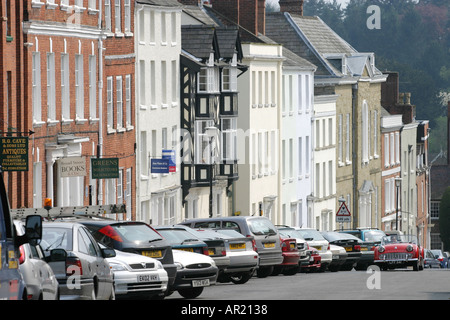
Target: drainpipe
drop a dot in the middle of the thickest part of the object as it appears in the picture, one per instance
(100, 100)
(354, 157)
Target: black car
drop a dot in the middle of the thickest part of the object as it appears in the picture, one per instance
(134, 237)
(350, 243)
(181, 239)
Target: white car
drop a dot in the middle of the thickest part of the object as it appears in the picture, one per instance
(40, 281)
(139, 276)
(315, 239)
(339, 257)
(194, 272)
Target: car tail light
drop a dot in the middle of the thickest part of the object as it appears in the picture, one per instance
(111, 233)
(357, 247)
(224, 252)
(205, 251)
(73, 266)
(22, 255)
(441, 259)
(328, 246)
(253, 244)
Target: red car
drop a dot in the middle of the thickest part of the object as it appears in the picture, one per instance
(399, 251)
(291, 257)
(315, 261)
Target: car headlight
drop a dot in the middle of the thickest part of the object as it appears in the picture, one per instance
(159, 265)
(117, 266)
(409, 248)
(380, 249)
(179, 266)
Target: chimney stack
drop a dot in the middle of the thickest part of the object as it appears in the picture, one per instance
(291, 6)
(249, 14)
(191, 2)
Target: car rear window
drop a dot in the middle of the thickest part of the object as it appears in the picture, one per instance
(261, 227)
(309, 233)
(56, 238)
(176, 235)
(374, 235)
(136, 232)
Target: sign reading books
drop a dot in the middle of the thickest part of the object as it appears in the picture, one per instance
(105, 168)
(14, 153)
(72, 167)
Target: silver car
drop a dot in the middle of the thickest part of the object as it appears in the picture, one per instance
(84, 273)
(267, 239)
(40, 281)
(243, 256)
(137, 276)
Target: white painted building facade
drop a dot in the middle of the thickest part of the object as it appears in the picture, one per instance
(158, 48)
(296, 152)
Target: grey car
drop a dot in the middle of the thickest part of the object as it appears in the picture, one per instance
(267, 239)
(84, 273)
(40, 281)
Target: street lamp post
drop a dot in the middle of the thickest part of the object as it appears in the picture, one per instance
(211, 132)
(398, 183)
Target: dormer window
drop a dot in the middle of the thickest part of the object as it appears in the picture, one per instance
(208, 80)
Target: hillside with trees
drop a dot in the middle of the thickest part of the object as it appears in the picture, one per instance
(413, 38)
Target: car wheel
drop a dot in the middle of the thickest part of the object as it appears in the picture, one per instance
(190, 293)
(416, 266)
(290, 271)
(241, 278)
(264, 272)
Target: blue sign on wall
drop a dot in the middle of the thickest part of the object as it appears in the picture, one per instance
(170, 155)
(160, 165)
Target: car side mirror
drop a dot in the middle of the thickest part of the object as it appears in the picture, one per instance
(108, 253)
(436, 256)
(33, 231)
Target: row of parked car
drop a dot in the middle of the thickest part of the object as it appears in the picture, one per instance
(89, 257)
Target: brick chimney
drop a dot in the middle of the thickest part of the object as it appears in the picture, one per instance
(291, 6)
(448, 133)
(249, 14)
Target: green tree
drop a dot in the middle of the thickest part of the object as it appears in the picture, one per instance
(444, 218)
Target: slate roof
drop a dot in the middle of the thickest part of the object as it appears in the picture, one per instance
(161, 3)
(199, 40)
(228, 39)
(312, 39)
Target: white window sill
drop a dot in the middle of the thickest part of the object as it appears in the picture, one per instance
(37, 4)
(51, 6)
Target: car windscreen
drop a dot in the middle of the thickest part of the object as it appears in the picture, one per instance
(261, 227)
(177, 236)
(311, 234)
(374, 235)
(336, 236)
(290, 233)
(56, 238)
(136, 232)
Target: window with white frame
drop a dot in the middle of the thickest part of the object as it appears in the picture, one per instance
(202, 142)
(79, 87)
(117, 16)
(392, 148)
(108, 16)
(229, 139)
(65, 86)
(300, 156)
(109, 103)
(163, 28)
(229, 79)
(92, 4)
(397, 147)
(143, 154)
(119, 101)
(375, 133)
(128, 194)
(120, 187)
(386, 150)
(128, 120)
(127, 9)
(36, 86)
(208, 80)
(365, 132)
(142, 88)
(347, 138)
(93, 86)
(51, 87)
(340, 140)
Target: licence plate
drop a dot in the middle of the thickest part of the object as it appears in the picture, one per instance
(211, 251)
(200, 283)
(319, 248)
(186, 249)
(363, 249)
(348, 249)
(152, 254)
(236, 246)
(147, 277)
(269, 245)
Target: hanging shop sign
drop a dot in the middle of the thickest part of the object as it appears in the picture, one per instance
(72, 167)
(170, 155)
(14, 153)
(160, 165)
(105, 168)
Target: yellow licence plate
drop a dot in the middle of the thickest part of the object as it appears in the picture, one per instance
(319, 248)
(269, 245)
(348, 249)
(236, 246)
(186, 249)
(211, 252)
(363, 249)
(152, 254)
